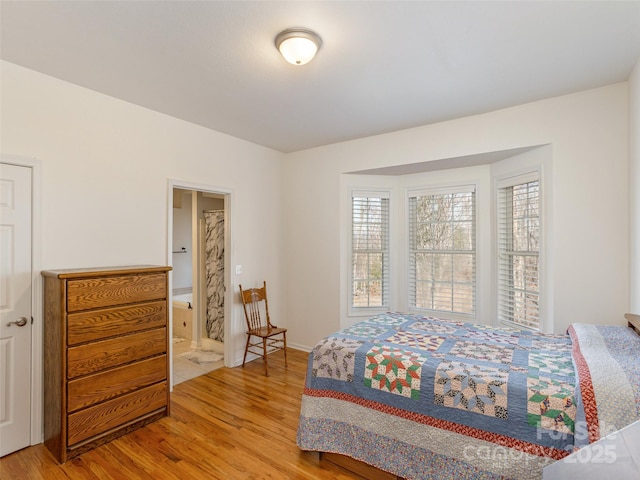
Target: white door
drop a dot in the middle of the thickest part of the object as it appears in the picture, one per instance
(15, 307)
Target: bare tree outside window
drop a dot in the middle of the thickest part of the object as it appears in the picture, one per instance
(442, 252)
(370, 251)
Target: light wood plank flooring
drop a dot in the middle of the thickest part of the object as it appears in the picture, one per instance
(232, 423)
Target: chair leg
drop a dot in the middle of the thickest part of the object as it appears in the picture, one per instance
(246, 349)
(284, 338)
(264, 355)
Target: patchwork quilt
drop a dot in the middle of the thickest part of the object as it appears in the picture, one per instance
(425, 398)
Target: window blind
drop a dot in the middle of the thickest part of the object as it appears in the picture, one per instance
(370, 250)
(519, 253)
(442, 250)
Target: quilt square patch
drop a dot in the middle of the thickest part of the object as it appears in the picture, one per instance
(335, 358)
(387, 319)
(482, 351)
(367, 331)
(489, 336)
(394, 370)
(550, 364)
(551, 404)
(417, 340)
(475, 388)
(552, 345)
(489, 328)
(436, 327)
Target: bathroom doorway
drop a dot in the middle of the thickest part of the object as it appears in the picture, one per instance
(199, 256)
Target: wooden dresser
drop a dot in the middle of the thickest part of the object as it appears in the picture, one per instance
(106, 354)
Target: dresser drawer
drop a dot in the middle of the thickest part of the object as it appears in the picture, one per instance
(113, 413)
(96, 324)
(89, 293)
(97, 356)
(86, 391)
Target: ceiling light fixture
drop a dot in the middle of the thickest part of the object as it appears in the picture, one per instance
(298, 45)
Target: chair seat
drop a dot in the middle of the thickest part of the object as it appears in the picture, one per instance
(267, 331)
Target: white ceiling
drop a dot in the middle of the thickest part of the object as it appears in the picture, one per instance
(383, 66)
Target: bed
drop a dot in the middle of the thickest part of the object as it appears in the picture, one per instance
(421, 397)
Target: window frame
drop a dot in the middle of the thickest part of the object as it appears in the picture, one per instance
(386, 293)
(484, 176)
(444, 189)
(501, 183)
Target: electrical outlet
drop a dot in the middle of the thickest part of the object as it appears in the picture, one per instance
(238, 269)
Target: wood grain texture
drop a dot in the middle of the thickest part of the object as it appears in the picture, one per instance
(98, 324)
(93, 357)
(633, 321)
(87, 391)
(231, 424)
(55, 429)
(89, 293)
(112, 377)
(113, 413)
(362, 469)
(65, 273)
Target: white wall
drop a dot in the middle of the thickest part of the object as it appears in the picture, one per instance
(182, 234)
(588, 134)
(106, 166)
(634, 186)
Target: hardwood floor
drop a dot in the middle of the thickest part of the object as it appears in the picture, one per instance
(232, 423)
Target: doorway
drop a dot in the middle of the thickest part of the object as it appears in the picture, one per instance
(199, 254)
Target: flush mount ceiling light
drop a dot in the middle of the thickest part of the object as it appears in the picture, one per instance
(298, 45)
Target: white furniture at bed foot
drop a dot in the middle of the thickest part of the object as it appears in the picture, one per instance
(615, 456)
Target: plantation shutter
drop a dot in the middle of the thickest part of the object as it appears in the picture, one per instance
(519, 251)
(442, 250)
(370, 250)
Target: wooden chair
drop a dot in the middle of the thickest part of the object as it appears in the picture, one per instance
(256, 312)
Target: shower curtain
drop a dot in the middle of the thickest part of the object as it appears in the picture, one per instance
(214, 271)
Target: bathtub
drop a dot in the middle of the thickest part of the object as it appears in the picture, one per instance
(183, 300)
(182, 315)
